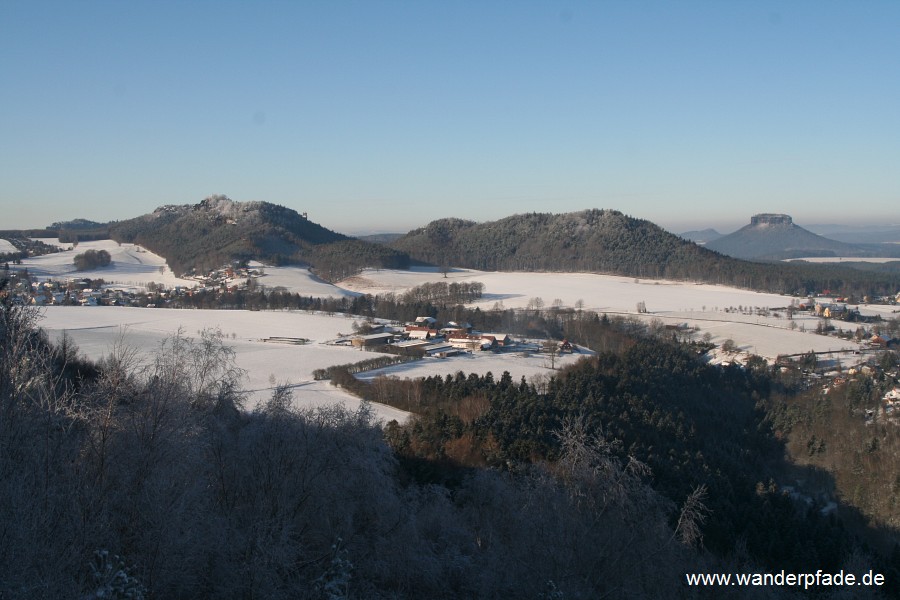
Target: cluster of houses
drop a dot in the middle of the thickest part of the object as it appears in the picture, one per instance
(833, 310)
(837, 308)
(889, 408)
(232, 277)
(891, 299)
(79, 292)
(68, 293)
(27, 290)
(426, 336)
(891, 401)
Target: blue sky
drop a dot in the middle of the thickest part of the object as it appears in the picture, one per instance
(381, 116)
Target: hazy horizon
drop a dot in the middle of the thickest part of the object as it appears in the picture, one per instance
(382, 116)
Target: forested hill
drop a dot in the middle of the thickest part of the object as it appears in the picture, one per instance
(590, 240)
(219, 230)
(608, 241)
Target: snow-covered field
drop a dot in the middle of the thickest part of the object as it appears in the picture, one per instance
(765, 336)
(601, 293)
(299, 280)
(96, 329)
(7, 247)
(673, 302)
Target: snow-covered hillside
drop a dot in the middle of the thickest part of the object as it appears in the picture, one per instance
(131, 265)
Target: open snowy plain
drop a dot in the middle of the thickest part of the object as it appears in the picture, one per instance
(722, 312)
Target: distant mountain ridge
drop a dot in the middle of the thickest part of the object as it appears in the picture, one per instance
(702, 237)
(859, 234)
(219, 230)
(775, 236)
(380, 238)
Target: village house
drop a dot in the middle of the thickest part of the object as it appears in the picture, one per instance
(467, 341)
(878, 341)
(453, 328)
(421, 332)
(891, 401)
(502, 340)
(830, 310)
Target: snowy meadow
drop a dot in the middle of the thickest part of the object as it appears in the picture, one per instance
(757, 323)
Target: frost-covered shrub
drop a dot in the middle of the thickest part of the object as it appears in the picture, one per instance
(112, 580)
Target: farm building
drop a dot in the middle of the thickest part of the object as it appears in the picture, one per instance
(373, 339)
(420, 332)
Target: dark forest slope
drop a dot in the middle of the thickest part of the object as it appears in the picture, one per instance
(590, 240)
(218, 230)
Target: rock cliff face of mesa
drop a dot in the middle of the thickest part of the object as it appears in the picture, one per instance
(771, 219)
(218, 230)
(772, 236)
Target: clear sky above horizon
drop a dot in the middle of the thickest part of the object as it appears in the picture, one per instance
(381, 116)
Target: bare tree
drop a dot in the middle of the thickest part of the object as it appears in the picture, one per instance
(693, 515)
(551, 349)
